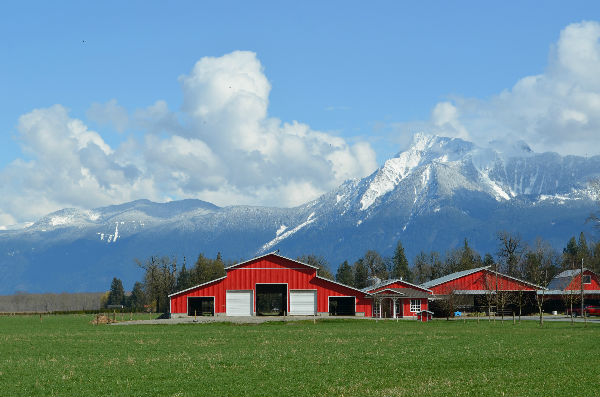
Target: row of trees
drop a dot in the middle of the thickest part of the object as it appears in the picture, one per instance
(536, 263)
(162, 276)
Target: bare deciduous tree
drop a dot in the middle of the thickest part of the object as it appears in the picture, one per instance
(510, 252)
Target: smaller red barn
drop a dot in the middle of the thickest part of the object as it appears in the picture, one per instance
(469, 286)
(398, 299)
(570, 281)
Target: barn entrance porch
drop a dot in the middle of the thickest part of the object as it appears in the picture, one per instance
(397, 302)
(387, 307)
(271, 299)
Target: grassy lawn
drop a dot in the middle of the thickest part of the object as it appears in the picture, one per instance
(66, 355)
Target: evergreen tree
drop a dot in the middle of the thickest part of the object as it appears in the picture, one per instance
(469, 259)
(436, 265)
(344, 274)
(361, 274)
(184, 279)
(400, 264)
(137, 300)
(570, 253)
(488, 260)
(207, 269)
(583, 252)
(116, 296)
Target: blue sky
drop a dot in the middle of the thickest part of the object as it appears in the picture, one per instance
(359, 77)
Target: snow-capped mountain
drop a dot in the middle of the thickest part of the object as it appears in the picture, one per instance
(431, 196)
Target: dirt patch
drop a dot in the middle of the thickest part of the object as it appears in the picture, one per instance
(102, 319)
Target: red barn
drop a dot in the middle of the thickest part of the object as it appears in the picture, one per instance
(271, 285)
(471, 286)
(398, 298)
(477, 281)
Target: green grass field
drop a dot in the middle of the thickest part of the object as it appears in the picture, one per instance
(66, 355)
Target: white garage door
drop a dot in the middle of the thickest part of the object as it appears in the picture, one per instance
(303, 303)
(238, 303)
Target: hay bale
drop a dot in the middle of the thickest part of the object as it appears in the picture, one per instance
(102, 319)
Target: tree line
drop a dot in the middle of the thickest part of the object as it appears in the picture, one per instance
(48, 302)
(537, 263)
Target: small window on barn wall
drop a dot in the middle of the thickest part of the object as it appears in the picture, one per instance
(587, 279)
(415, 305)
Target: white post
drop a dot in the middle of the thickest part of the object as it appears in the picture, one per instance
(394, 302)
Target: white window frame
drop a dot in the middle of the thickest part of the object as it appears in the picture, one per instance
(413, 305)
(588, 278)
(398, 307)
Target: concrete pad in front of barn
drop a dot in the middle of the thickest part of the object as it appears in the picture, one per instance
(238, 320)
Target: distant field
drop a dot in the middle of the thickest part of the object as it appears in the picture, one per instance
(66, 355)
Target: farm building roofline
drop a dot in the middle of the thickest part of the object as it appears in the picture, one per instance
(343, 285)
(392, 281)
(451, 276)
(267, 254)
(195, 286)
(462, 273)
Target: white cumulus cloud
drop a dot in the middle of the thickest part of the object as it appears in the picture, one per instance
(221, 146)
(557, 110)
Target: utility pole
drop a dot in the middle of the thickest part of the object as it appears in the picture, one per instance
(581, 279)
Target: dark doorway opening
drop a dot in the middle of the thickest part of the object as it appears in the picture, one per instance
(201, 306)
(342, 306)
(271, 299)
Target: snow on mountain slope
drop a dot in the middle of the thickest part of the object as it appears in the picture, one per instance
(513, 170)
(280, 235)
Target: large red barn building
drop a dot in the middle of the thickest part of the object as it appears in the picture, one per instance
(275, 285)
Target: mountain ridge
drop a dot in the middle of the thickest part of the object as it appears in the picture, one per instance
(430, 196)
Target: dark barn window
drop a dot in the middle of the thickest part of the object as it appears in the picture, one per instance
(201, 306)
(271, 299)
(341, 306)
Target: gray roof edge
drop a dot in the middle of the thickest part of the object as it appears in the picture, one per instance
(267, 254)
(452, 276)
(343, 285)
(392, 281)
(196, 286)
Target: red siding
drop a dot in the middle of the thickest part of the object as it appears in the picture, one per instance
(481, 281)
(272, 269)
(576, 282)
